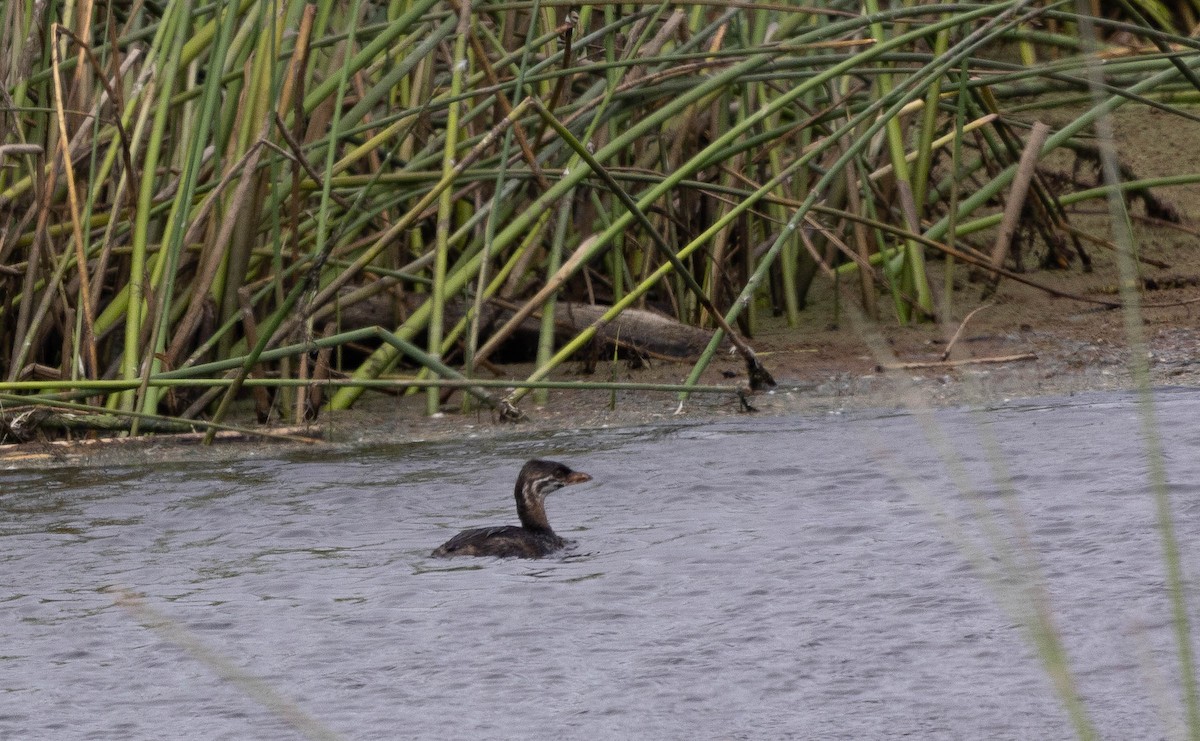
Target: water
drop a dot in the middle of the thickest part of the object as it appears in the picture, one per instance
(747, 578)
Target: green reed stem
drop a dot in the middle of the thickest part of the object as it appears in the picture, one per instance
(1139, 365)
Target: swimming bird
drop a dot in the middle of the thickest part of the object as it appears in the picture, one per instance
(534, 538)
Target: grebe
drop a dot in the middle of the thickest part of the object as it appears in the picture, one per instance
(534, 538)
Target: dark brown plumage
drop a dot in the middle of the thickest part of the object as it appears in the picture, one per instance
(534, 538)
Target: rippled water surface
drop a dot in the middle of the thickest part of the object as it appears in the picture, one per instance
(747, 578)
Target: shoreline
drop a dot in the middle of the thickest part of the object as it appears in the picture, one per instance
(1056, 371)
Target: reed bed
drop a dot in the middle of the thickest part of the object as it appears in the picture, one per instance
(197, 194)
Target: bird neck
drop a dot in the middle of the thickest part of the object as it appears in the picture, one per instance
(531, 509)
